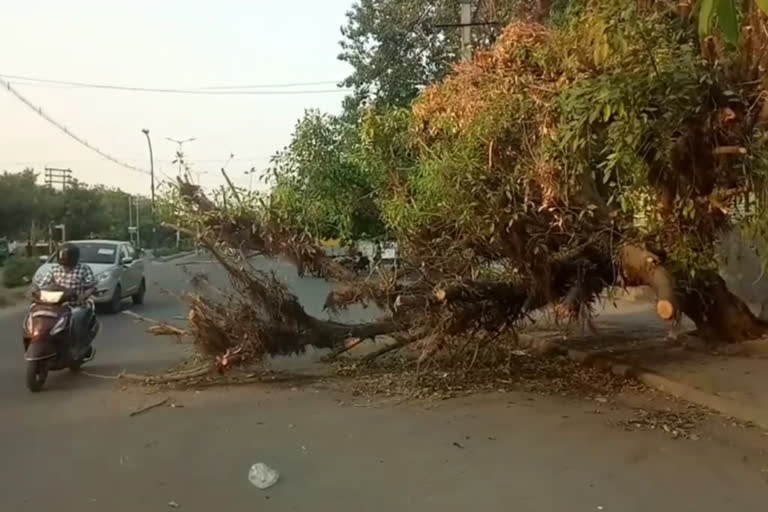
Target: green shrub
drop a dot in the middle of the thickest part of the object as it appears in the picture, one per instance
(19, 271)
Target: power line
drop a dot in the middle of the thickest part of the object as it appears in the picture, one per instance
(210, 91)
(268, 86)
(260, 159)
(39, 111)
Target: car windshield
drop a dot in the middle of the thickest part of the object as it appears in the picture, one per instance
(98, 253)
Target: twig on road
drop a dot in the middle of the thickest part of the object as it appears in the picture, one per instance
(349, 345)
(149, 407)
(170, 377)
(158, 328)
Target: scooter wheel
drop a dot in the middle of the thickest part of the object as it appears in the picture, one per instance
(37, 373)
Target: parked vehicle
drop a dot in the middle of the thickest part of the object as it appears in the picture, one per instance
(50, 342)
(118, 268)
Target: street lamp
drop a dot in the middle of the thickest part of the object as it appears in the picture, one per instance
(180, 152)
(145, 131)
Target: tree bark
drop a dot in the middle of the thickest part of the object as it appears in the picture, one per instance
(764, 311)
(719, 315)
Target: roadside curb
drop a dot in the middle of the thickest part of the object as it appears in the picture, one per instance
(725, 406)
(172, 257)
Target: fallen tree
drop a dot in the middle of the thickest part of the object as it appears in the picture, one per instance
(562, 162)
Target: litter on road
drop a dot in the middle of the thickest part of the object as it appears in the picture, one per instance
(262, 476)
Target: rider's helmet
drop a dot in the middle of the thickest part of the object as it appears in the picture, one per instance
(69, 255)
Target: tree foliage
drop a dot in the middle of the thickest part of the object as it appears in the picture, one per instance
(319, 183)
(615, 127)
(727, 15)
(573, 141)
(397, 47)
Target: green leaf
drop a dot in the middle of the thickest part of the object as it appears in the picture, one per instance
(706, 10)
(728, 19)
(762, 4)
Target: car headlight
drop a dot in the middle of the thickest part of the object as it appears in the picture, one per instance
(104, 276)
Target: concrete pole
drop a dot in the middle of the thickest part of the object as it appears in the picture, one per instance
(466, 30)
(138, 224)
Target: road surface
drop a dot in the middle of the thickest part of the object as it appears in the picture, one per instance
(74, 447)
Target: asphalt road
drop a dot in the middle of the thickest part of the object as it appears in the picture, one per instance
(74, 446)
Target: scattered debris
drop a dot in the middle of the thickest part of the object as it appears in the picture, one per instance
(678, 424)
(262, 476)
(399, 377)
(149, 407)
(458, 445)
(173, 504)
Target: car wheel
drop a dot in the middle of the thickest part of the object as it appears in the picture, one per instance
(117, 300)
(138, 299)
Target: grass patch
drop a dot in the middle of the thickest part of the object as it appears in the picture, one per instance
(19, 271)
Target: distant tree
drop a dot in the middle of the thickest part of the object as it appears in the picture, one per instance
(320, 184)
(396, 46)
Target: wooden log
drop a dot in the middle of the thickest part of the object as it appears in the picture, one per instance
(641, 267)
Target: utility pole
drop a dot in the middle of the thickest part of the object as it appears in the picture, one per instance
(138, 223)
(466, 30)
(469, 20)
(130, 218)
(55, 176)
(133, 220)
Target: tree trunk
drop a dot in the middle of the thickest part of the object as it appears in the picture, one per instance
(764, 311)
(719, 315)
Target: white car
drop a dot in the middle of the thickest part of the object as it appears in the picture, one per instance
(118, 268)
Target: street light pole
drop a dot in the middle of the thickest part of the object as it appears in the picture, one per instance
(145, 131)
(180, 152)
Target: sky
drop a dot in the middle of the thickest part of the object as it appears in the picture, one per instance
(163, 44)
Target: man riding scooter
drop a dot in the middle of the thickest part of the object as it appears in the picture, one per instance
(79, 280)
